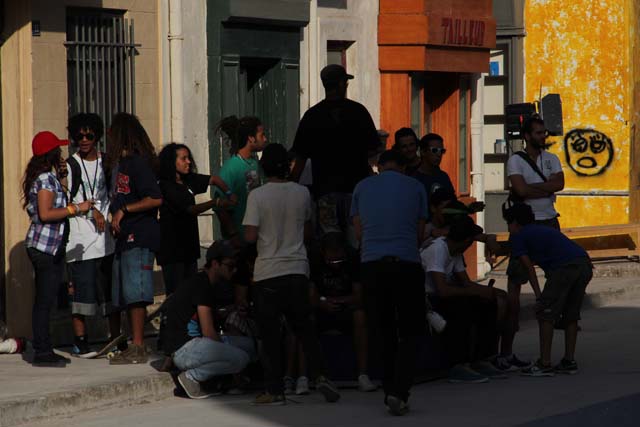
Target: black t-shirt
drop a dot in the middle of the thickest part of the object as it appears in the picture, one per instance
(433, 182)
(180, 311)
(337, 136)
(335, 282)
(180, 238)
(133, 181)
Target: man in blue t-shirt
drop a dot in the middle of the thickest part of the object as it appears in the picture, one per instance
(389, 211)
(568, 270)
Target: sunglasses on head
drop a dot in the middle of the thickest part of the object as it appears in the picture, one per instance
(437, 150)
(89, 136)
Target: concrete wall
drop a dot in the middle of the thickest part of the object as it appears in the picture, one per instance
(581, 50)
(34, 98)
(349, 20)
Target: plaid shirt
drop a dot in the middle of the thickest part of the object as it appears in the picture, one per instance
(46, 237)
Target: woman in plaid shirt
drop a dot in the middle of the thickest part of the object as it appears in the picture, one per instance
(46, 204)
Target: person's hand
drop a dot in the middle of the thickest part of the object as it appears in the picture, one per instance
(101, 223)
(115, 221)
(227, 203)
(492, 244)
(62, 169)
(484, 292)
(85, 206)
(233, 199)
(476, 207)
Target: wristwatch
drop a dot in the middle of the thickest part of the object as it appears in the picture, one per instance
(228, 193)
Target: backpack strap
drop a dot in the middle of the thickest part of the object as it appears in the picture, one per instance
(76, 178)
(524, 156)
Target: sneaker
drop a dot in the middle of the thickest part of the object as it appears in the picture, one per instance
(192, 387)
(538, 370)
(486, 368)
(502, 363)
(134, 354)
(569, 367)
(82, 350)
(51, 360)
(520, 364)
(289, 386)
(302, 386)
(328, 389)
(268, 399)
(396, 406)
(464, 374)
(365, 384)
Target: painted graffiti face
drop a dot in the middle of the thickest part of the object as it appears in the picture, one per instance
(589, 152)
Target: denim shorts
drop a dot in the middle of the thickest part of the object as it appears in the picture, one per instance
(91, 284)
(132, 277)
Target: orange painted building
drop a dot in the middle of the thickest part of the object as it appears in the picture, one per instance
(429, 52)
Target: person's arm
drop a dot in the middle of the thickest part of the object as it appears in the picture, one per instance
(553, 184)
(143, 205)
(421, 225)
(250, 233)
(298, 167)
(526, 191)
(232, 198)
(357, 228)
(533, 278)
(473, 288)
(218, 202)
(47, 213)
(446, 289)
(205, 317)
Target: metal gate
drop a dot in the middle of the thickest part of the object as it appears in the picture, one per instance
(100, 63)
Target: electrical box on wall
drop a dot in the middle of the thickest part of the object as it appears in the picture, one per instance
(551, 112)
(515, 115)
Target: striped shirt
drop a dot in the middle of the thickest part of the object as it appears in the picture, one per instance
(45, 237)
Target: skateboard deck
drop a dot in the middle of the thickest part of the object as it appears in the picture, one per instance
(110, 345)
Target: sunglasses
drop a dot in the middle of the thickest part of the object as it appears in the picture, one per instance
(437, 150)
(89, 136)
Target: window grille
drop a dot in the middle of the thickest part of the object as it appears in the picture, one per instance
(100, 63)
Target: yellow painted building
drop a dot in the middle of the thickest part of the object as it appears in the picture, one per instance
(587, 51)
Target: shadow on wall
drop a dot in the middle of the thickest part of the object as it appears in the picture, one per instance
(333, 4)
(19, 292)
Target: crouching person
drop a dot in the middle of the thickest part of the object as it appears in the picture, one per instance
(189, 332)
(470, 309)
(568, 271)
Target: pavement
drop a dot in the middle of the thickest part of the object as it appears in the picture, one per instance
(89, 387)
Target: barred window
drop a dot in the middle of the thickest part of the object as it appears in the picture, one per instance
(100, 63)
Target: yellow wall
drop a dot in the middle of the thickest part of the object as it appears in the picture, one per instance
(581, 50)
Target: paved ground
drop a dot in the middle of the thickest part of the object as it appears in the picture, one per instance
(605, 392)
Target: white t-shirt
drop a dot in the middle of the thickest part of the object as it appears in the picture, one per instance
(435, 257)
(549, 164)
(279, 210)
(85, 242)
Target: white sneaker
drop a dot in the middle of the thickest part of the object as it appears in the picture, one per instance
(302, 386)
(365, 384)
(289, 386)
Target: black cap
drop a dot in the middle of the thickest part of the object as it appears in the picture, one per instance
(463, 228)
(391, 156)
(334, 73)
(220, 249)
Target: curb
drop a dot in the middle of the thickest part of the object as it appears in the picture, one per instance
(92, 396)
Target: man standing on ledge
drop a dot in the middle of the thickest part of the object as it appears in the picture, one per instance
(337, 135)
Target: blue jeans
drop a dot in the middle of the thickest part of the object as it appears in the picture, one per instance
(49, 271)
(204, 358)
(132, 278)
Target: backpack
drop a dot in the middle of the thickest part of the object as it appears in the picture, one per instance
(513, 197)
(76, 178)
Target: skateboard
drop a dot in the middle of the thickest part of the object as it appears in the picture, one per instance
(106, 350)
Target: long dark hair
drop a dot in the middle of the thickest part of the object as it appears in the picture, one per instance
(36, 166)
(168, 156)
(128, 135)
(238, 130)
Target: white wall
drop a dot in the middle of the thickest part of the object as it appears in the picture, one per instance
(358, 23)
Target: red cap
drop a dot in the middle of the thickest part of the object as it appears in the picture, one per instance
(46, 141)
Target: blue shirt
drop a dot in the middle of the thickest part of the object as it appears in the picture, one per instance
(546, 246)
(389, 206)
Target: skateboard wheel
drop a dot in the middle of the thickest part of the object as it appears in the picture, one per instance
(110, 355)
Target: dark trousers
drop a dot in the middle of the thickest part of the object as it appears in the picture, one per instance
(288, 296)
(49, 271)
(471, 333)
(175, 273)
(395, 306)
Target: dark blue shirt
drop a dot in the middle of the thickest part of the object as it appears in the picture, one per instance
(389, 206)
(546, 246)
(433, 182)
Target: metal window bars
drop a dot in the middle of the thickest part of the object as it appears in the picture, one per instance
(100, 64)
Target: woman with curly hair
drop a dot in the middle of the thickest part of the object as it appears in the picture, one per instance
(135, 199)
(46, 204)
(180, 238)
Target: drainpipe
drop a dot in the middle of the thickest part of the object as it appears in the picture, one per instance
(175, 66)
(477, 161)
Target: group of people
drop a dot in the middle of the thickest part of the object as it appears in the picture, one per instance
(361, 250)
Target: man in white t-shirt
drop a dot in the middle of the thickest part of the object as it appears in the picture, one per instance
(278, 217)
(90, 246)
(529, 185)
(472, 311)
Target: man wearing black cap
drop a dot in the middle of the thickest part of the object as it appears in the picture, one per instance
(190, 334)
(336, 134)
(389, 211)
